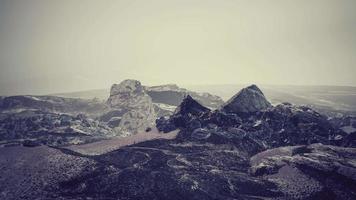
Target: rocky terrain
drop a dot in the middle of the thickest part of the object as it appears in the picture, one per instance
(35, 127)
(247, 149)
(131, 110)
(57, 121)
(249, 117)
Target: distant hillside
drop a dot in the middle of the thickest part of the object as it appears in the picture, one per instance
(325, 97)
(102, 94)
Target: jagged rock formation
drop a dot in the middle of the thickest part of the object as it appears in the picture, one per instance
(248, 100)
(188, 111)
(266, 127)
(132, 109)
(190, 106)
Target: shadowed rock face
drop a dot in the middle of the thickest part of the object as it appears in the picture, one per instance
(188, 113)
(248, 100)
(190, 106)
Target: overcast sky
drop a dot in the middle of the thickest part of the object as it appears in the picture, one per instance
(49, 46)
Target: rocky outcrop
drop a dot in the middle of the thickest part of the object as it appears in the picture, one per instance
(132, 109)
(248, 100)
(284, 124)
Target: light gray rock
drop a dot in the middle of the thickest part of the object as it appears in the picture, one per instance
(138, 111)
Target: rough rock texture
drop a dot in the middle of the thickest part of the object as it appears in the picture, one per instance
(50, 128)
(277, 126)
(50, 120)
(132, 109)
(248, 100)
(34, 173)
(175, 169)
(188, 111)
(216, 155)
(315, 171)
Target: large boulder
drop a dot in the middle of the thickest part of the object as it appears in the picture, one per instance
(132, 110)
(248, 100)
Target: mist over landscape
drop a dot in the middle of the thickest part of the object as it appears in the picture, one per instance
(62, 46)
(177, 99)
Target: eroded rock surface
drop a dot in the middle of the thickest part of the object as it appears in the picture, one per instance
(132, 109)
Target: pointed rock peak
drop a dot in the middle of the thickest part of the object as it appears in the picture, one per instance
(190, 105)
(126, 86)
(255, 88)
(248, 100)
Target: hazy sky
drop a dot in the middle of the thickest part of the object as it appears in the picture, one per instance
(51, 46)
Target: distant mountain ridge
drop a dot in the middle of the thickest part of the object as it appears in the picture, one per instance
(328, 99)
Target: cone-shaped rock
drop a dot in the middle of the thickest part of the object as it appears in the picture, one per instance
(248, 100)
(190, 106)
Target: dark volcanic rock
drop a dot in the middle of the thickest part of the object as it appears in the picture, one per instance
(248, 100)
(190, 106)
(284, 124)
(189, 114)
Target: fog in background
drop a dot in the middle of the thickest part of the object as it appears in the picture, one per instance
(49, 46)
